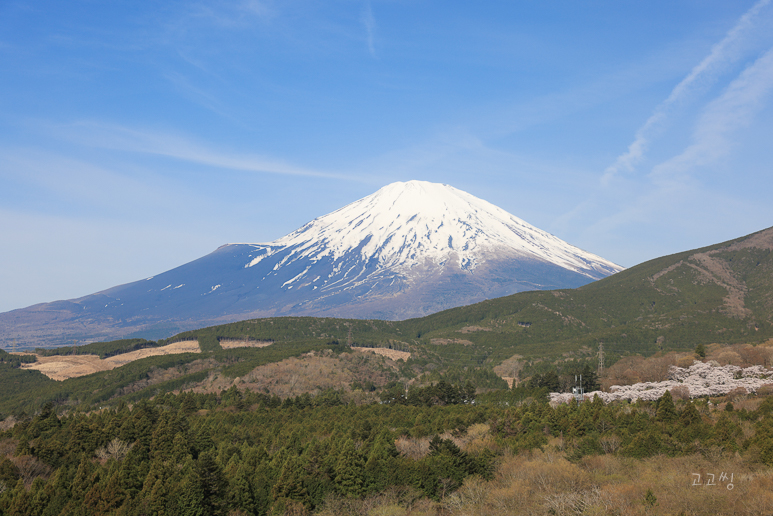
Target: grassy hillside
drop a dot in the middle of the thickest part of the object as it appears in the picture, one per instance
(720, 294)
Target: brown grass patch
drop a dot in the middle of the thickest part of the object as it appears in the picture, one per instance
(545, 482)
(443, 342)
(72, 366)
(312, 373)
(392, 354)
(472, 329)
(231, 344)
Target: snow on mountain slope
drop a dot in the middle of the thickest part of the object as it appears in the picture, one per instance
(407, 224)
(408, 250)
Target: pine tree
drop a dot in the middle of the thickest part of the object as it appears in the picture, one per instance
(158, 500)
(20, 501)
(666, 411)
(377, 471)
(289, 483)
(240, 492)
(190, 499)
(348, 471)
(211, 482)
(58, 492)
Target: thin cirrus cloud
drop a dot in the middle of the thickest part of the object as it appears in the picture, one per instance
(730, 112)
(181, 148)
(677, 182)
(723, 53)
(369, 21)
(676, 186)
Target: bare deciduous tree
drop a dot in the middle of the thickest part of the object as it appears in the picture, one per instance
(115, 449)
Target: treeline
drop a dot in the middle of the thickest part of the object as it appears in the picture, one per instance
(552, 381)
(482, 378)
(103, 349)
(441, 393)
(15, 361)
(371, 333)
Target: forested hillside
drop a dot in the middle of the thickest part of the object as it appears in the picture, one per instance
(246, 453)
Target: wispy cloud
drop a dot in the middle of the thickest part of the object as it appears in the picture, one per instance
(199, 96)
(674, 199)
(178, 147)
(369, 21)
(48, 181)
(732, 111)
(728, 50)
(233, 15)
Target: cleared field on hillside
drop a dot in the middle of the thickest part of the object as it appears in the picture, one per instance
(389, 353)
(62, 367)
(232, 344)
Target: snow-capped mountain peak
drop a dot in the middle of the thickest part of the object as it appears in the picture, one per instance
(409, 249)
(404, 225)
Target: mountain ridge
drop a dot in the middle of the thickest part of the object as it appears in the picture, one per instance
(407, 250)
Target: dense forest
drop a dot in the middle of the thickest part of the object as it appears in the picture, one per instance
(437, 450)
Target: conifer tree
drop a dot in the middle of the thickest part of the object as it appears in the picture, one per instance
(81, 481)
(377, 471)
(241, 493)
(158, 500)
(112, 495)
(181, 449)
(134, 470)
(724, 433)
(289, 483)
(211, 483)
(19, 500)
(691, 424)
(39, 497)
(190, 499)
(348, 471)
(57, 490)
(666, 411)
(9, 473)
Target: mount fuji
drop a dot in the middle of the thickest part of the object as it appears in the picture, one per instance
(408, 250)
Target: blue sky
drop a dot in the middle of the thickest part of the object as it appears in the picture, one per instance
(137, 136)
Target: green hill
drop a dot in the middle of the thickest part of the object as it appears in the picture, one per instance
(718, 294)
